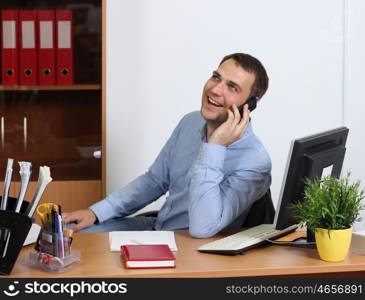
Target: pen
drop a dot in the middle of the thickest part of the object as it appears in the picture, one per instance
(69, 234)
(61, 245)
(4, 240)
(9, 172)
(58, 243)
(54, 234)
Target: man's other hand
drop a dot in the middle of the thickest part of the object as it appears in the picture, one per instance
(83, 218)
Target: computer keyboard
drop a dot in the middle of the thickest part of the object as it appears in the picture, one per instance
(246, 239)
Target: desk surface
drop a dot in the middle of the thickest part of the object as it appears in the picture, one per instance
(270, 260)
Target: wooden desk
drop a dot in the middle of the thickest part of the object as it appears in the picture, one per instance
(97, 261)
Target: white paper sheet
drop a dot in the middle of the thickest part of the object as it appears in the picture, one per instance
(118, 238)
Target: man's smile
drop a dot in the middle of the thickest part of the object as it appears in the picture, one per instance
(213, 102)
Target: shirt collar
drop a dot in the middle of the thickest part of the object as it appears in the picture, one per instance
(202, 132)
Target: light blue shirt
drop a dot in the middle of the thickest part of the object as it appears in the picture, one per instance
(210, 186)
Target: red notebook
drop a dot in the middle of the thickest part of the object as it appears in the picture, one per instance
(147, 256)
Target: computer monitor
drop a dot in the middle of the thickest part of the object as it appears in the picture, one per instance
(315, 156)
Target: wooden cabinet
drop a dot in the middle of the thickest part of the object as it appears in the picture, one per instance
(71, 194)
(61, 126)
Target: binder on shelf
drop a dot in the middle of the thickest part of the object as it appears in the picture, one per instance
(9, 45)
(46, 49)
(64, 50)
(27, 47)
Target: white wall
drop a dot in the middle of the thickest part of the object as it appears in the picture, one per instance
(161, 52)
(354, 110)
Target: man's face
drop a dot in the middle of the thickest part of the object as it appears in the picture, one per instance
(228, 85)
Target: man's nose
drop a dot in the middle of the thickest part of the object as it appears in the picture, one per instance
(218, 88)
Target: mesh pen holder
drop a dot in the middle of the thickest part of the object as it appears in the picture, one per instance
(14, 228)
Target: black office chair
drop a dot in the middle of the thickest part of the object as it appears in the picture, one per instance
(261, 212)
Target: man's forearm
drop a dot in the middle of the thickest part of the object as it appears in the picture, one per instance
(217, 199)
(137, 194)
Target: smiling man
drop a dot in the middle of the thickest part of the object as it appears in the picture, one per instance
(213, 165)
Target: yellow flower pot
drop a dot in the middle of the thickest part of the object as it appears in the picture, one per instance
(335, 246)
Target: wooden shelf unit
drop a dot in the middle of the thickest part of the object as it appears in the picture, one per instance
(67, 120)
(76, 87)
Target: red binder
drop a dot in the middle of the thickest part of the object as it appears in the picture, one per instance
(27, 47)
(64, 50)
(9, 19)
(46, 48)
(147, 256)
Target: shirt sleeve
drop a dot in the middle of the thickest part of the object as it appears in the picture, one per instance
(141, 191)
(217, 199)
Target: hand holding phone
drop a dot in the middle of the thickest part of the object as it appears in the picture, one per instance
(232, 129)
(252, 103)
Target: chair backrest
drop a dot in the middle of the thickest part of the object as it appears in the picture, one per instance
(261, 212)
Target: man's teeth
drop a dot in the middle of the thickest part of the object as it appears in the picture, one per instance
(213, 102)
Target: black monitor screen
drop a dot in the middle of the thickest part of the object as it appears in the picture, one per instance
(315, 156)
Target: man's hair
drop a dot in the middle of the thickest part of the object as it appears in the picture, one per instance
(252, 65)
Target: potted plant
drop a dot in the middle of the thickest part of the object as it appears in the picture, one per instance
(331, 207)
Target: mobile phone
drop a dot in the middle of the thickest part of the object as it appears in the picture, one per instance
(252, 103)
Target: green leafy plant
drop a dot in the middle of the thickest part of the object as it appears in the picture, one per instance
(330, 203)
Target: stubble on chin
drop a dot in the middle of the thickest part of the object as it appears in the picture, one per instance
(214, 122)
(218, 118)
(214, 118)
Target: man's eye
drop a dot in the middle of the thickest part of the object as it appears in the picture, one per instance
(215, 77)
(232, 88)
